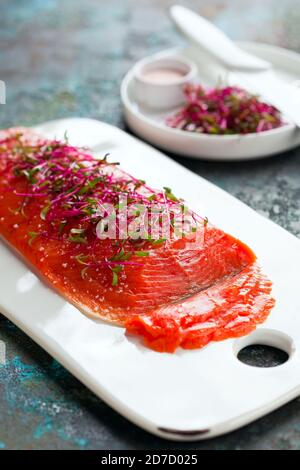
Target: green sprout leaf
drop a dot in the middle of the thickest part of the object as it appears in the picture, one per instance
(32, 237)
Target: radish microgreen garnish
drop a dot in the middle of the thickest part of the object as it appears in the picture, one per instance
(169, 194)
(44, 212)
(224, 111)
(116, 270)
(160, 241)
(74, 189)
(82, 259)
(141, 253)
(32, 237)
(77, 239)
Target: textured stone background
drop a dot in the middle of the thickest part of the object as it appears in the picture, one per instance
(67, 58)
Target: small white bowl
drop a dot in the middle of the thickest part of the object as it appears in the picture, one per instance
(164, 91)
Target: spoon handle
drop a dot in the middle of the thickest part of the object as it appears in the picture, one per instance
(210, 38)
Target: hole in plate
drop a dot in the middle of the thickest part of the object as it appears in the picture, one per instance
(258, 355)
(264, 348)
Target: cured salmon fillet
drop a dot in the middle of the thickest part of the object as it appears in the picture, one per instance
(171, 292)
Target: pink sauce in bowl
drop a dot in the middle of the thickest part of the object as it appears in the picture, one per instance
(159, 82)
(163, 75)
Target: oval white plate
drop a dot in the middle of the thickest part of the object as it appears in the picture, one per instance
(150, 124)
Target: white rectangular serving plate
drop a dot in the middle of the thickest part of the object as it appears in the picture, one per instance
(188, 395)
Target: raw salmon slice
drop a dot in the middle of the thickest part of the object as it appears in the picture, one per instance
(230, 308)
(178, 292)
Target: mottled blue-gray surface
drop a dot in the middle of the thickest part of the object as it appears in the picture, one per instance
(62, 58)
